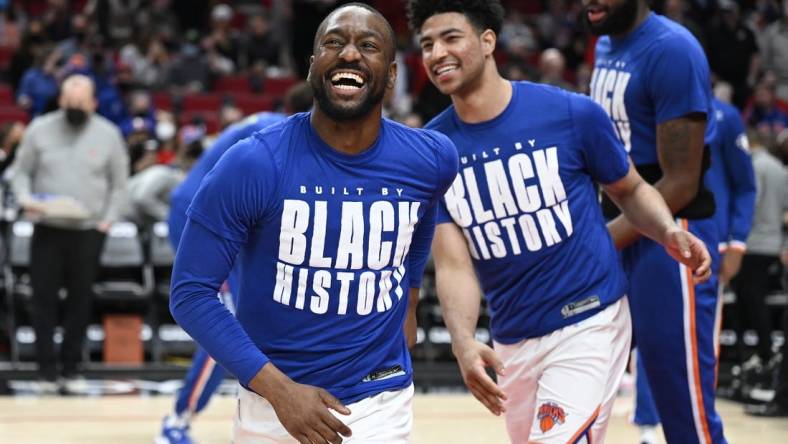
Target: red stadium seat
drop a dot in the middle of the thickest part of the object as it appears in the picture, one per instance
(162, 100)
(253, 103)
(13, 114)
(6, 54)
(6, 95)
(202, 102)
(278, 86)
(237, 83)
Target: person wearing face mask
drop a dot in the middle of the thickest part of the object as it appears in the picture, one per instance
(79, 156)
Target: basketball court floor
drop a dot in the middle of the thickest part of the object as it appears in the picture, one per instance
(439, 418)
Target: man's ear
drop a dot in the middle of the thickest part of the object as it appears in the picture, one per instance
(489, 39)
(392, 78)
(309, 72)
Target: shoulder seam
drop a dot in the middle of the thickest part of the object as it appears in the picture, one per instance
(279, 179)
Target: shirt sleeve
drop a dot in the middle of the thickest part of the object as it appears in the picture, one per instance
(24, 163)
(229, 204)
(118, 173)
(447, 162)
(605, 157)
(234, 195)
(678, 80)
(741, 177)
(202, 263)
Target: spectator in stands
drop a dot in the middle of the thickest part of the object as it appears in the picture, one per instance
(140, 108)
(148, 61)
(115, 18)
(676, 10)
(158, 17)
(732, 51)
(556, 24)
(57, 20)
(222, 45)
(10, 32)
(149, 189)
(34, 43)
(552, 66)
(774, 51)
(10, 135)
(261, 48)
(189, 71)
(77, 155)
(39, 84)
(764, 246)
(77, 41)
(764, 113)
(109, 96)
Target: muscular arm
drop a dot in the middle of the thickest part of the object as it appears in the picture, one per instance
(680, 145)
(458, 289)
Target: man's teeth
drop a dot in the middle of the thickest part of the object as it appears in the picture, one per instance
(445, 69)
(346, 75)
(346, 87)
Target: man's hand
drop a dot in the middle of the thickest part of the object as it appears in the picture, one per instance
(104, 226)
(731, 264)
(473, 357)
(302, 409)
(690, 251)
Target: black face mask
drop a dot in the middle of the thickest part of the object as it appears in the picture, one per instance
(76, 117)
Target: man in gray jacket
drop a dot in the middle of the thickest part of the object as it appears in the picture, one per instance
(764, 247)
(70, 177)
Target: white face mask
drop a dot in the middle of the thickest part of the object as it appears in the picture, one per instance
(165, 130)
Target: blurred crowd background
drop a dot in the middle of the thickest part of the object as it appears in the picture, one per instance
(165, 67)
(171, 74)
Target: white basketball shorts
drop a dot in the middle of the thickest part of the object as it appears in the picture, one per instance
(561, 386)
(386, 418)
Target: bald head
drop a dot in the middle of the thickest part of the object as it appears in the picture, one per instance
(78, 91)
(360, 8)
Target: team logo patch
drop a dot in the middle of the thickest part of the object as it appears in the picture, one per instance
(549, 415)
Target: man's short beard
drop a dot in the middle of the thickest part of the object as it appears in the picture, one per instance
(339, 113)
(618, 20)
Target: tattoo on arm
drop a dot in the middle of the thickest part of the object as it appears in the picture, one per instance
(672, 143)
(680, 145)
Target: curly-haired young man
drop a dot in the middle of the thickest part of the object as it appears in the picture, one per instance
(523, 216)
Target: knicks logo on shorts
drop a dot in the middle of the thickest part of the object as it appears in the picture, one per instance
(549, 415)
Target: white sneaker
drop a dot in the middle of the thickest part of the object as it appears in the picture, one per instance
(648, 435)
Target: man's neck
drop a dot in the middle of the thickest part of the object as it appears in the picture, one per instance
(351, 137)
(488, 99)
(640, 17)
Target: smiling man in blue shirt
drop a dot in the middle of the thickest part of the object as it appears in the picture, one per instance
(523, 217)
(329, 216)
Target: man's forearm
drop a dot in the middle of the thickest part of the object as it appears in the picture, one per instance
(459, 296)
(643, 212)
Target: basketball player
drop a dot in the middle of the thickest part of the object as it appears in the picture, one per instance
(523, 216)
(330, 215)
(652, 79)
(731, 178)
(204, 376)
